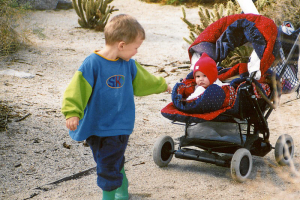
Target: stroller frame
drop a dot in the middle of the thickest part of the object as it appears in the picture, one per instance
(253, 141)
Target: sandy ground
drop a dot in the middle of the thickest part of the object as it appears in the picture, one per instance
(33, 154)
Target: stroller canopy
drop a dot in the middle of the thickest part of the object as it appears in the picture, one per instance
(222, 36)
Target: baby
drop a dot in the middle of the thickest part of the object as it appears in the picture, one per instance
(205, 73)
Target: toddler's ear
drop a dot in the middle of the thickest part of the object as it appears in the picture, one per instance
(121, 45)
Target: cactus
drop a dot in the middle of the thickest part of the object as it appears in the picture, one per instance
(262, 4)
(207, 17)
(238, 55)
(93, 14)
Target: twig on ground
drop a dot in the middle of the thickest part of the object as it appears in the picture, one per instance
(22, 118)
(184, 67)
(178, 62)
(141, 163)
(148, 65)
(290, 101)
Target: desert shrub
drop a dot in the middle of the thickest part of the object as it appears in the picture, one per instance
(10, 40)
(186, 2)
(8, 37)
(286, 10)
(93, 14)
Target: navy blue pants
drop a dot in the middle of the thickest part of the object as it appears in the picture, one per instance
(109, 153)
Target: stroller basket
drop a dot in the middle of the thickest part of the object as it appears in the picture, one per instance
(287, 68)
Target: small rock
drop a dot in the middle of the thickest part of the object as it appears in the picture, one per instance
(161, 70)
(64, 4)
(18, 165)
(12, 72)
(67, 146)
(85, 144)
(40, 4)
(173, 70)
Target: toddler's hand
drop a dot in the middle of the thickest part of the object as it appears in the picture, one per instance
(169, 89)
(72, 123)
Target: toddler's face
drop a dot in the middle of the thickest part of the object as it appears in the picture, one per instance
(129, 50)
(201, 79)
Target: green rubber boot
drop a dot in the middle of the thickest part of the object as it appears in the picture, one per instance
(109, 195)
(122, 192)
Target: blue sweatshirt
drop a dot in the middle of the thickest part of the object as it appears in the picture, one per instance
(101, 94)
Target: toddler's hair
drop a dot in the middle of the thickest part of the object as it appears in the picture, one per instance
(123, 27)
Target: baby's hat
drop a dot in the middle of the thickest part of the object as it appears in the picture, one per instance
(207, 66)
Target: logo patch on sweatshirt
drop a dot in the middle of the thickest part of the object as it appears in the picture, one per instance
(116, 81)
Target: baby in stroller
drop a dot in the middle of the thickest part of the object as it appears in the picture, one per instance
(229, 131)
(203, 89)
(205, 74)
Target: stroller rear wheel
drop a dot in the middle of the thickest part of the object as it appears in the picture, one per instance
(284, 149)
(163, 151)
(241, 165)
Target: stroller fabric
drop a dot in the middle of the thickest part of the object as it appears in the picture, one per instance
(213, 102)
(219, 38)
(230, 106)
(212, 99)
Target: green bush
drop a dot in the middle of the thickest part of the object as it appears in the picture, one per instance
(10, 40)
(93, 14)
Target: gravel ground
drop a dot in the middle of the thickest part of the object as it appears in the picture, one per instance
(38, 158)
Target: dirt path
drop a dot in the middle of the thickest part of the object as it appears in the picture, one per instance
(37, 151)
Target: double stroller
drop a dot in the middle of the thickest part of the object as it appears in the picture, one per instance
(230, 136)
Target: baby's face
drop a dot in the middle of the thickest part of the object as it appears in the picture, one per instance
(201, 79)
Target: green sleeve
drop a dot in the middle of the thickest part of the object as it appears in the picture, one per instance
(145, 83)
(76, 97)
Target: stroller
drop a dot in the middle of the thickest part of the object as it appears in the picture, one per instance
(235, 134)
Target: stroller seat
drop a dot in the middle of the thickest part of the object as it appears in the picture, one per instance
(234, 106)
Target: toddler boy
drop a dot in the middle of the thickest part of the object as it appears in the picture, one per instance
(99, 102)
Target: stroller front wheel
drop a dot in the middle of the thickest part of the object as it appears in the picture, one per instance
(163, 151)
(284, 149)
(241, 165)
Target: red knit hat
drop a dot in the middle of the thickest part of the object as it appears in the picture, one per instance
(207, 66)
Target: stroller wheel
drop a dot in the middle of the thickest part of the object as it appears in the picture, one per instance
(163, 151)
(241, 165)
(284, 149)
